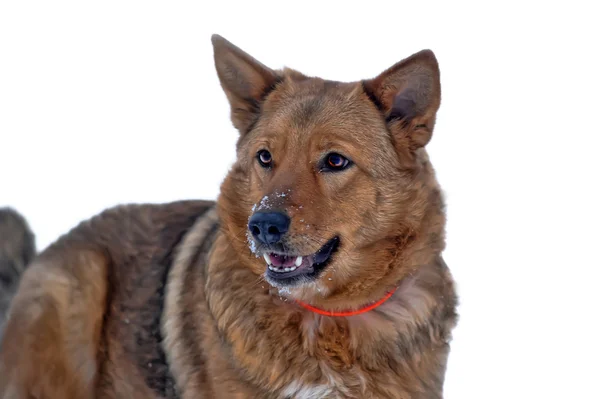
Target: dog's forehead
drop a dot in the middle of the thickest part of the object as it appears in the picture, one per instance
(316, 105)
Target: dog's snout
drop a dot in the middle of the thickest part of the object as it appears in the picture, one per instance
(269, 227)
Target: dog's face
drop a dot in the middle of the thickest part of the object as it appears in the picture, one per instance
(331, 178)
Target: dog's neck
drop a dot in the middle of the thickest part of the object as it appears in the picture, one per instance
(350, 312)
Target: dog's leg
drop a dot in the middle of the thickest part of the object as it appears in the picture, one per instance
(50, 346)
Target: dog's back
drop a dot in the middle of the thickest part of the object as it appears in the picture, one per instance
(17, 249)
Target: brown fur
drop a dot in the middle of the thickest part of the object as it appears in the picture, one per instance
(169, 301)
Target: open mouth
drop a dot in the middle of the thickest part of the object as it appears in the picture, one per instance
(286, 269)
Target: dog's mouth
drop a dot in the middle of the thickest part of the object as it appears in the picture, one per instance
(287, 269)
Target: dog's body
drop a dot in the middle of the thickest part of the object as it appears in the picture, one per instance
(175, 300)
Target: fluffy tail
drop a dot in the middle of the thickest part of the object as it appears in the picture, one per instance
(17, 249)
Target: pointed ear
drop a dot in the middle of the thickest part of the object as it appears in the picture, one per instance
(408, 94)
(246, 82)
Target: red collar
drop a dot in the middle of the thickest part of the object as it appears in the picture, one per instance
(347, 312)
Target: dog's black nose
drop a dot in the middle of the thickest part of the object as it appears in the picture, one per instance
(269, 227)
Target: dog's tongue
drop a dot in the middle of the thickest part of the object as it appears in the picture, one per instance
(282, 260)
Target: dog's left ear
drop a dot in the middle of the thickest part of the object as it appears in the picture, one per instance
(246, 82)
(408, 94)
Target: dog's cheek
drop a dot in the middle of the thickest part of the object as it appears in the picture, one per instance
(358, 208)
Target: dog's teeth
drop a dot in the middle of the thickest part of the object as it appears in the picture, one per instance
(271, 268)
(267, 258)
(298, 261)
(293, 268)
(287, 269)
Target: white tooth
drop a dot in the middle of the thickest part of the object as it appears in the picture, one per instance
(298, 261)
(287, 269)
(293, 268)
(267, 258)
(271, 267)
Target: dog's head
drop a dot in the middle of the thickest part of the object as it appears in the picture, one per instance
(331, 180)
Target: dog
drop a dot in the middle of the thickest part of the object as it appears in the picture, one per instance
(317, 273)
(17, 249)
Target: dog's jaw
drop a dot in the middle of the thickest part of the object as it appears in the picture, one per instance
(291, 270)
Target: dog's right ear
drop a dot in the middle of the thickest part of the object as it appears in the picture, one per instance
(246, 82)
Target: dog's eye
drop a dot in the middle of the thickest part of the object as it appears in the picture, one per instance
(264, 158)
(336, 162)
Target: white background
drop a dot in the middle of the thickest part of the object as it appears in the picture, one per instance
(117, 101)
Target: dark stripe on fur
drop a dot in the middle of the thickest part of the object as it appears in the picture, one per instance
(158, 375)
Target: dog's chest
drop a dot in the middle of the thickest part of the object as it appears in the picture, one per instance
(296, 390)
(345, 367)
(352, 383)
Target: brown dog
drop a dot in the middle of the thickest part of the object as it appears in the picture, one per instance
(317, 274)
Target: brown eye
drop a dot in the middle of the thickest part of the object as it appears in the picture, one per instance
(335, 162)
(264, 158)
